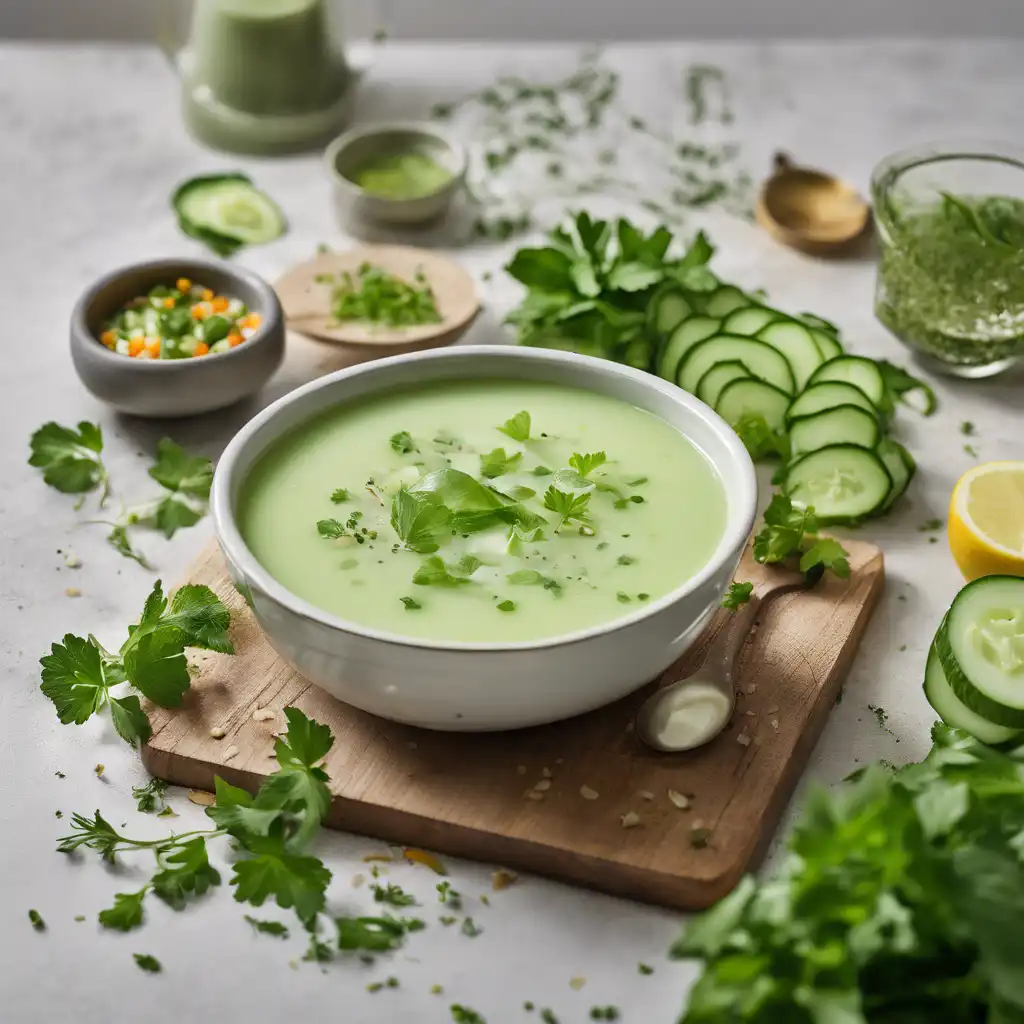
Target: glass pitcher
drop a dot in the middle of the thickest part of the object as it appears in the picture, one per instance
(261, 76)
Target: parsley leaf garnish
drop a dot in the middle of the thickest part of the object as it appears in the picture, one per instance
(274, 928)
(150, 797)
(737, 595)
(420, 521)
(126, 913)
(37, 920)
(340, 496)
(148, 963)
(759, 439)
(790, 530)
(530, 577)
(393, 895)
(586, 464)
(70, 459)
(373, 934)
(411, 604)
(518, 427)
(188, 479)
(403, 443)
(434, 572)
(497, 463)
(184, 870)
(119, 540)
(825, 553)
(291, 880)
(569, 507)
(465, 1015)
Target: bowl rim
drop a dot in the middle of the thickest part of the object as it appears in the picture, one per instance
(740, 493)
(421, 128)
(270, 311)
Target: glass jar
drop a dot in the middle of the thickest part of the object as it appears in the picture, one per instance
(950, 284)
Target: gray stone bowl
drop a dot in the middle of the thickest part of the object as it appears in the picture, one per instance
(175, 387)
(353, 150)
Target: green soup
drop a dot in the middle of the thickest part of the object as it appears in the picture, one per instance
(489, 511)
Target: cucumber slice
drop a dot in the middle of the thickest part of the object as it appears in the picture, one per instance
(226, 211)
(828, 395)
(683, 338)
(667, 309)
(745, 397)
(748, 321)
(844, 424)
(980, 644)
(842, 482)
(710, 386)
(828, 344)
(724, 300)
(763, 360)
(895, 459)
(954, 712)
(794, 341)
(856, 370)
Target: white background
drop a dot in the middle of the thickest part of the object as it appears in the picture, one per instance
(612, 20)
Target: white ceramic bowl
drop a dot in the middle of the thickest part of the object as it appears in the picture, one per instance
(481, 686)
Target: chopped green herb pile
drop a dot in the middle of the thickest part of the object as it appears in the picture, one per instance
(737, 595)
(374, 296)
(79, 674)
(902, 901)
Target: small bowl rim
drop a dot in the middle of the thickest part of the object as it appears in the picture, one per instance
(421, 128)
(270, 311)
(733, 539)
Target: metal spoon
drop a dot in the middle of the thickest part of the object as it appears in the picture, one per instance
(692, 711)
(810, 210)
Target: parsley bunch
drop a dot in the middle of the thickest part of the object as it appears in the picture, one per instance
(79, 674)
(902, 902)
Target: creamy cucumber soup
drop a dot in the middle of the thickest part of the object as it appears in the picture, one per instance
(489, 511)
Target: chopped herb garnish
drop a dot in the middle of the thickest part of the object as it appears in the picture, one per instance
(586, 464)
(150, 797)
(967, 428)
(638, 482)
(148, 963)
(791, 529)
(497, 463)
(403, 443)
(737, 595)
(274, 928)
(447, 920)
(548, 1016)
(969, 449)
(568, 506)
(447, 895)
(930, 525)
(507, 606)
(643, 968)
(604, 1013)
(541, 471)
(393, 895)
(434, 572)
(625, 560)
(518, 427)
(374, 934)
(420, 521)
(469, 929)
(623, 598)
(340, 496)
(37, 921)
(374, 296)
(411, 604)
(464, 1015)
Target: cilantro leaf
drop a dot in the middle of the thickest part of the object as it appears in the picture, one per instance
(130, 721)
(497, 463)
(156, 666)
(126, 913)
(517, 427)
(403, 443)
(237, 812)
(586, 464)
(275, 928)
(150, 797)
(784, 527)
(173, 513)
(70, 460)
(186, 870)
(825, 553)
(178, 471)
(434, 573)
(291, 881)
(737, 595)
(567, 506)
(759, 438)
(420, 521)
(340, 496)
(304, 743)
(76, 679)
(373, 934)
(119, 540)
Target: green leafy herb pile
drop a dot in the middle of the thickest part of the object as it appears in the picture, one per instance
(561, 138)
(374, 296)
(79, 674)
(72, 462)
(902, 902)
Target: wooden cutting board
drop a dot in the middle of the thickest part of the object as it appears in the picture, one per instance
(465, 794)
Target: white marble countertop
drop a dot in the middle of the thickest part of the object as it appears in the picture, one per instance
(91, 147)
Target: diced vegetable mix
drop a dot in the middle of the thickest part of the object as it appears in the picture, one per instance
(179, 322)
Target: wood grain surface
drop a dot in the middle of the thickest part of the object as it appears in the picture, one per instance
(525, 799)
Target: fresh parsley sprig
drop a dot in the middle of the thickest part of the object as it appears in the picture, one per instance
(569, 507)
(793, 530)
(517, 427)
(71, 460)
(737, 595)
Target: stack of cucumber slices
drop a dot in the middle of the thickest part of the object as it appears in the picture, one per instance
(745, 359)
(974, 678)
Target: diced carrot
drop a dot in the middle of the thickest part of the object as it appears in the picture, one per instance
(153, 347)
(220, 304)
(109, 338)
(201, 349)
(144, 354)
(168, 303)
(200, 310)
(234, 339)
(254, 320)
(135, 346)
(207, 295)
(183, 284)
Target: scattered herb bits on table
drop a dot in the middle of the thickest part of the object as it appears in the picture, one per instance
(180, 321)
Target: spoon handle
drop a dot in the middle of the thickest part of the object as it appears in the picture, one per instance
(725, 648)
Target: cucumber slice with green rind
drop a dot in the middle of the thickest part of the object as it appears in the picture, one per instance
(980, 644)
(682, 339)
(724, 300)
(667, 309)
(828, 395)
(843, 424)
(226, 211)
(794, 341)
(894, 456)
(764, 361)
(954, 712)
(710, 386)
(752, 397)
(842, 482)
(748, 321)
(828, 343)
(856, 370)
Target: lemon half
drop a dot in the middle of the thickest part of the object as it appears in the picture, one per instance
(986, 520)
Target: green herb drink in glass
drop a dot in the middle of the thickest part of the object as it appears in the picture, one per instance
(260, 76)
(950, 282)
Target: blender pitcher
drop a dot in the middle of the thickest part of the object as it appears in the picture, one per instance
(260, 76)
